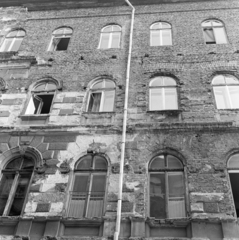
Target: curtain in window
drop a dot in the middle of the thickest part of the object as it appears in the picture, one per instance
(54, 44)
(94, 104)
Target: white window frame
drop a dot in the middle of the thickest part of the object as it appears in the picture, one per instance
(102, 91)
(110, 34)
(60, 36)
(163, 87)
(13, 40)
(226, 87)
(160, 30)
(213, 24)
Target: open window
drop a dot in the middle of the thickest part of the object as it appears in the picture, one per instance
(60, 39)
(160, 34)
(41, 98)
(101, 97)
(163, 94)
(226, 91)
(233, 170)
(12, 41)
(167, 189)
(88, 190)
(214, 32)
(110, 37)
(16, 177)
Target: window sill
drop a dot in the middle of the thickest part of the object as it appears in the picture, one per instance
(167, 112)
(178, 222)
(35, 117)
(98, 113)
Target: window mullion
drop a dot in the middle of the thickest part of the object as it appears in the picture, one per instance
(163, 98)
(166, 194)
(11, 195)
(88, 193)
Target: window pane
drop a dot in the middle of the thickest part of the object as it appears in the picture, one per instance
(6, 45)
(99, 162)
(168, 81)
(85, 163)
(234, 179)
(209, 36)
(62, 44)
(15, 164)
(16, 45)
(20, 195)
(220, 35)
(33, 105)
(81, 183)
(109, 84)
(157, 195)
(159, 81)
(155, 26)
(46, 102)
(231, 80)
(40, 87)
(158, 163)
(116, 28)
(50, 87)
(108, 101)
(176, 204)
(98, 183)
(165, 25)
(216, 23)
(155, 38)
(233, 161)
(5, 188)
(104, 41)
(234, 96)
(107, 29)
(27, 164)
(173, 162)
(166, 37)
(220, 79)
(156, 99)
(94, 103)
(222, 100)
(20, 33)
(171, 98)
(115, 40)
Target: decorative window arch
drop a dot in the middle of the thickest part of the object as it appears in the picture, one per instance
(226, 91)
(41, 98)
(60, 39)
(110, 37)
(12, 41)
(163, 94)
(214, 32)
(160, 34)
(167, 188)
(101, 96)
(14, 185)
(233, 171)
(88, 189)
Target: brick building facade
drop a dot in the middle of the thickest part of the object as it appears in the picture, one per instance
(63, 82)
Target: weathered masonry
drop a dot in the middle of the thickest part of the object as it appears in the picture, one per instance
(90, 144)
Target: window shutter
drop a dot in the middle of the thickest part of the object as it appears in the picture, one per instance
(234, 96)
(209, 35)
(220, 35)
(108, 104)
(221, 97)
(16, 45)
(6, 45)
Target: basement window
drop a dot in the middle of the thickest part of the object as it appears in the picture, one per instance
(60, 39)
(101, 97)
(214, 32)
(233, 171)
(41, 99)
(167, 190)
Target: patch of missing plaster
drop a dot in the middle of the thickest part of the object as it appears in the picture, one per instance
(8, 19)
(133, 185)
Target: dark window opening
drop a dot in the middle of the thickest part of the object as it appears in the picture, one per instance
(63, 44)
(234, 178)
(94, 104)
(46, 103)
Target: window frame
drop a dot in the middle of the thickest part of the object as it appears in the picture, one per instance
(58, 36)
(212, 28)
(110, 33)
(14, 185)
(163, 87)
(226, 87)
(102, 91)
(165, 171)
(90, 172)
(160, 31)
(13, 40)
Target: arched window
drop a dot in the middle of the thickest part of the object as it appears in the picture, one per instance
(214, 32)
(163, 94)
(110, 37)
(88, 190)
(233, 170)
(101, 97)
(12, 41)
(226, 91)
(16, 177)
(167, 190)
(160, 34)
(41, 98)
(60, 39)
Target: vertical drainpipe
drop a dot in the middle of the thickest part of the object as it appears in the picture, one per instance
(121, 174)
